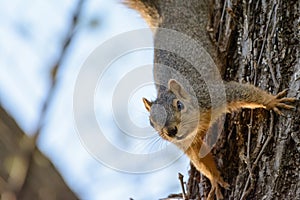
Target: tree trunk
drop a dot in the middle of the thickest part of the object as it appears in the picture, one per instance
(258, 152)
(22, 175)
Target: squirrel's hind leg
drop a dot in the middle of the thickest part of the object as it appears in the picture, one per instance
(215, 190)
(224, 184)
(212, 192)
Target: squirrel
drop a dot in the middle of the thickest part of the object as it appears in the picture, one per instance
(185, 109)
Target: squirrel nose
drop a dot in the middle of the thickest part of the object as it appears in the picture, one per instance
(172, 132)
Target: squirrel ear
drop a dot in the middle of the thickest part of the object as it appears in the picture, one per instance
(147, 104)
(177, 89)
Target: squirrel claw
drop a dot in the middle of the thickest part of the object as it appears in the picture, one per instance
(224, 185)
(287, 99)
(279, 101)
(285, 106)
(278, 111)
(216, 190)
(281, 94)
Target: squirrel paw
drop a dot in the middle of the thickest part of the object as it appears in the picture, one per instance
(224, 184)
(216, 190)
(279, 101)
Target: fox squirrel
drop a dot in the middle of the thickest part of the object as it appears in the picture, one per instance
(183, 110)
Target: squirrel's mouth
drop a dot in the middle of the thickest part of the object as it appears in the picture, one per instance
(180, 137)
(186, 135)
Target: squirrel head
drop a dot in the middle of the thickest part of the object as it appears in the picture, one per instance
(172, 114)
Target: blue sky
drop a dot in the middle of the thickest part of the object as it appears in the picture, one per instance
(31, 33)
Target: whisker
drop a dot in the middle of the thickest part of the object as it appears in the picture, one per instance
(163, 144)
(158, 139)
(142, 146)
(147, 145)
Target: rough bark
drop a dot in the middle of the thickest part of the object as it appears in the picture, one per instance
(23, 176)
(258, 152)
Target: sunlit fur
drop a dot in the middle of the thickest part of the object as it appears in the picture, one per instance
(192, 127)
(189, 17)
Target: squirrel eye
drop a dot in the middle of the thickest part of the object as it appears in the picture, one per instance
(180, 106)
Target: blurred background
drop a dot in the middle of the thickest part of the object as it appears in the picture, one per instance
(43, 46)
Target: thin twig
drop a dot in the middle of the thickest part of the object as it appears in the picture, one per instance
(276, 84)
(221, 23)
(266, 34)
(249, 145)
(28, 145)
(67, 41)
(250, 125)
(194, 187)
(270, 135)
(251, 168)
(180, 177)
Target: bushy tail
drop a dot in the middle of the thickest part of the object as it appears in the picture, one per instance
(149, 10)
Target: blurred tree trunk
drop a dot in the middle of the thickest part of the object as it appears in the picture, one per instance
(23, 176)
(258, 152)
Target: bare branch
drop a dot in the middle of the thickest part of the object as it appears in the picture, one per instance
(180, 177)
(28, 145)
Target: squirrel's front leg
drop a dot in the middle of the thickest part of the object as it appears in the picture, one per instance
(279, 101)
(248, 96)
(207, 166)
